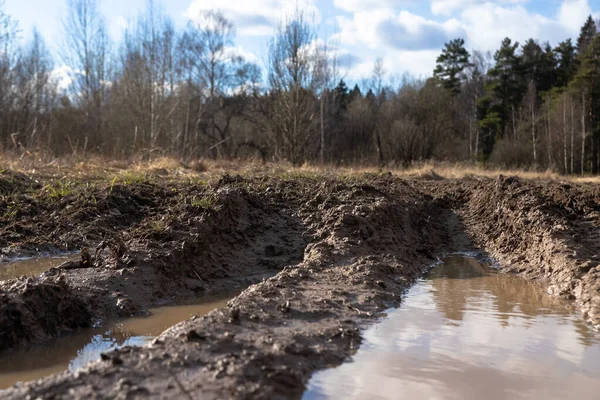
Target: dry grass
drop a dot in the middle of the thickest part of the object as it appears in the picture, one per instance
(432, 170)
(96, 167)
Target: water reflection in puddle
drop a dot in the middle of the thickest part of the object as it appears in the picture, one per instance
(77, 350)
(468, 333)
(31, 266)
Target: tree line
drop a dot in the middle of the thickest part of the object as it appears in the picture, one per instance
(531, 105)
(190, 94)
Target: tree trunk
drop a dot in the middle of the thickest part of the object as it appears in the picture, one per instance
(322, 128)
(582, 133)
(572, 138)
(548, 136)
(470, 138)
(533, 138)
(513, 123)
(566, 166)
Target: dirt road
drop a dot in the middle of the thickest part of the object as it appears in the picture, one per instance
(324, 256)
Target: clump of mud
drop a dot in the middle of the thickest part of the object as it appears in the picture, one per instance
(32, 309)
(11, 181)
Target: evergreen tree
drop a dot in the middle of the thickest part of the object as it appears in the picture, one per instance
(506, 85)
(490, 124)
(451, 64)
(589, 30)
(532, 54)
(341, 96)
(565, 52)
(371, 98)
(355, 93)
(547, 74)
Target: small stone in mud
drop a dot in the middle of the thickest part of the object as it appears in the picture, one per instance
(234, 314)
(113, 359)
(229, 335)
(193, 336)
(126, 307)
(285, 307)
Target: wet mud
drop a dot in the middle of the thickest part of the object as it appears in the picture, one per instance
(71, 352)
(467, 332)
(31, 267)
(322, 257)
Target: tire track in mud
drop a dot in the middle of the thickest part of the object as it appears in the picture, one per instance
(370, 238)
(196, 251)
(546, 231)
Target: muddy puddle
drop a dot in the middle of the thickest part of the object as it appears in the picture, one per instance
(75, 351)
(466, 332)
(31, 266)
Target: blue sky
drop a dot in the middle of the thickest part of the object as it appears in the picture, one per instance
(408, 34)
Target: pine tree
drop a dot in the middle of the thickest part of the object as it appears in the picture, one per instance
(548, 74)
(490, 124)
(506, 84)
(355, 93)
(451, 64)
(589, 30)
(341, 96)
(532, 54)
(565, 52)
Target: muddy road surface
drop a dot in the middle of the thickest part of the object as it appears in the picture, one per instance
(321, 256)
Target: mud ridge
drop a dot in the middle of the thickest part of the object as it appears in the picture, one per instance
(371, 242)
(171, 254)
(544, 231)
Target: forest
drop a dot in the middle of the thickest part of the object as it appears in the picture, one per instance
(190, 95)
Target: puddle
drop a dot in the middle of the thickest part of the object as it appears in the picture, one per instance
(31, 266)
(468, 333)
(75, 351)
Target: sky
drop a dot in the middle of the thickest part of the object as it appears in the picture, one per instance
(407, 34)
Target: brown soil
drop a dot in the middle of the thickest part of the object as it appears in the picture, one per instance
(339, 252)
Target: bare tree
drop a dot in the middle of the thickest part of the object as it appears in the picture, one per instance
(8, 33)
(214, 71)
(35, 97)
(86, 52)
(295, 75)
(147, 82)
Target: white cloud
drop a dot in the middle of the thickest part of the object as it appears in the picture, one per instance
(364, 5)
(62, 77)
(411, 43)
(487, 24)
(447, 7)
(253, 17)
(397, 62)
(402, 31)
(232, 51)
(573, 13)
